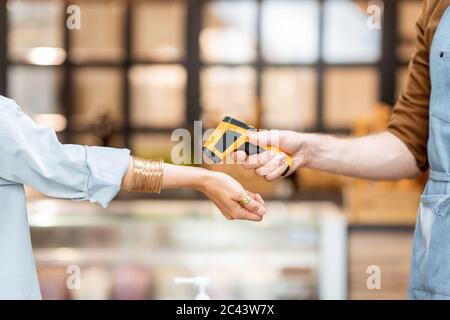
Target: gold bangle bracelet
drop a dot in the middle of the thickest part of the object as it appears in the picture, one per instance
(147, 175)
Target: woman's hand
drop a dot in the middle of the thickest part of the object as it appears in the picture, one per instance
(229, 196)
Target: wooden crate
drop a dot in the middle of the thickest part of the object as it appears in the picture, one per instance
(382, 203)
(391, 252)
(313, 179)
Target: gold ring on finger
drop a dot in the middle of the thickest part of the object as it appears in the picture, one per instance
(245, 200)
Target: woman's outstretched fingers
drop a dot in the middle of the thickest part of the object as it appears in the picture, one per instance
(255, 207)
(224, 211)
(248, 202)
(245, 214)
(257, 197)
(260, 199)
(232, 199)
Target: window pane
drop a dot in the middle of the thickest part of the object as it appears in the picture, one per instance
(36, 89)
(101, 34)
(153, 146)
(407, 16)
(158, 96)
(290, 31)
(34, 25)
(158, 29)
(97, 97)
(228, 92)
(289, 98)
(347, 37)
(229, 33)
(350, 94)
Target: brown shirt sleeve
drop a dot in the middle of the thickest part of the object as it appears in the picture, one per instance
(409, 119)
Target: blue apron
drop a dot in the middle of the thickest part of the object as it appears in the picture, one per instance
(430, 265)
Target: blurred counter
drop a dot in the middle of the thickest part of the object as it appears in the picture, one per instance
(134, 250)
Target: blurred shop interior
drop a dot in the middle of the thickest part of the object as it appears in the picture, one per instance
(138, 69)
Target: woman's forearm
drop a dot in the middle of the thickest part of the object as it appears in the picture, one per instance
(184, 177)
(174, 177)
(377, 157)
(227, 194)
(127, 178)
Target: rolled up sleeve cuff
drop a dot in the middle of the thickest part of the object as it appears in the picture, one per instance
(107, 167)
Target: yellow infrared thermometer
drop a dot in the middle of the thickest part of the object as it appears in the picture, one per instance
(232, 135)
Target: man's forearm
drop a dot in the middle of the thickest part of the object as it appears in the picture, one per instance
(376, 157)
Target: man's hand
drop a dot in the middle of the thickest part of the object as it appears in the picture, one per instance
(376, 157)
(271, 165)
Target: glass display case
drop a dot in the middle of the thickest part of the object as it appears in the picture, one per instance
(135, 249)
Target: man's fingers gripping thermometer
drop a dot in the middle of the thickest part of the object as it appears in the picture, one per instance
(232, 135)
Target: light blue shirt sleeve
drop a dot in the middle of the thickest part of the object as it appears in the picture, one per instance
(32, 155)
